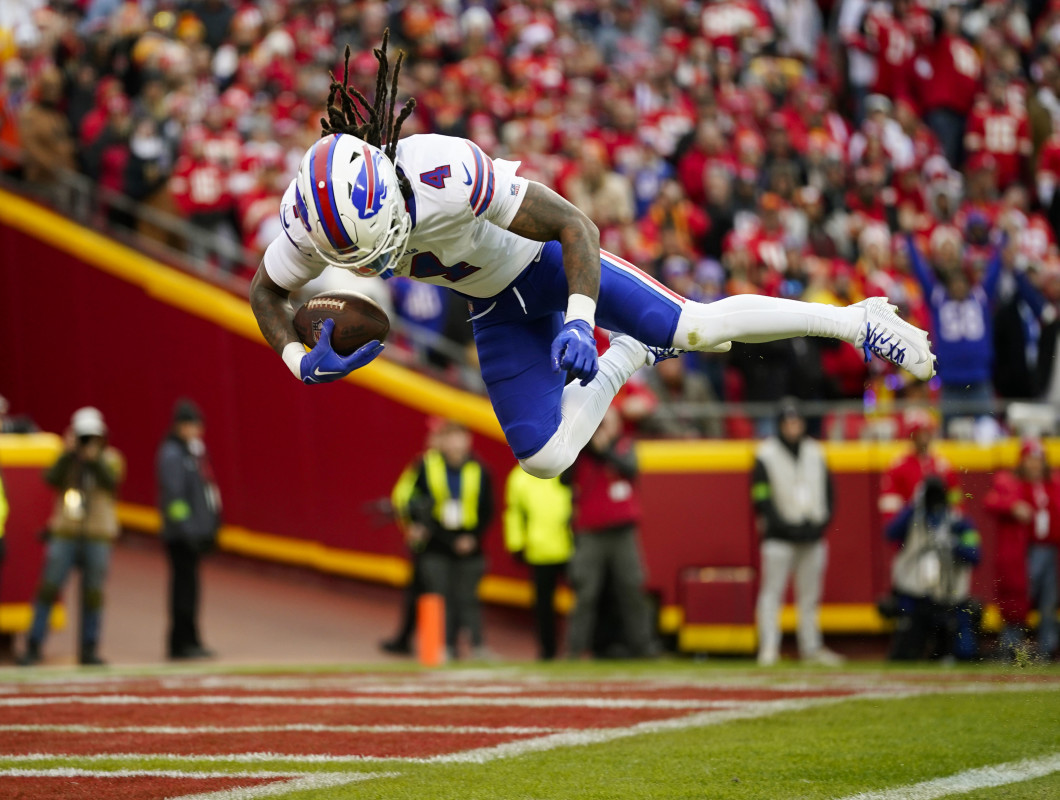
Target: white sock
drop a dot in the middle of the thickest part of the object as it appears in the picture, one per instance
(751, 318)
(583, 407)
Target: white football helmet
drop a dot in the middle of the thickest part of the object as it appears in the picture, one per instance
(348, 198)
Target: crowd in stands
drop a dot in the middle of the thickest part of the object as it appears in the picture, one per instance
(824, 150)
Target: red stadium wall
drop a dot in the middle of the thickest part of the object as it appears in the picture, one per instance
(22, 459)
(307, 463)
(302, 462)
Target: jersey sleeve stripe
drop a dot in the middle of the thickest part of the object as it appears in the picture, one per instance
(487, 196)
(476, 186)
(482, 193)
(624, 266)
(324, 194)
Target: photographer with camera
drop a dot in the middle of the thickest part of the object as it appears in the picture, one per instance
(80, 532)
(931, 577)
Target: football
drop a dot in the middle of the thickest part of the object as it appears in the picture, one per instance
(358, 320)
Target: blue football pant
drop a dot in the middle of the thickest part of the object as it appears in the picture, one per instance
(546, 422)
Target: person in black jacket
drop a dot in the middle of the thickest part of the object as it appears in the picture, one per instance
(190, 505)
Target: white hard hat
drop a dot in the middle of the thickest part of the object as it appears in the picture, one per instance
(88, 421)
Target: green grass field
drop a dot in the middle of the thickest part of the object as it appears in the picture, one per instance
(900, 729)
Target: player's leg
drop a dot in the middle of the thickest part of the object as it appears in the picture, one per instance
(638, 305)
(631, 303)
(546, 423)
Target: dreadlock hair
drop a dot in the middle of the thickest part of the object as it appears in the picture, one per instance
(348, 111)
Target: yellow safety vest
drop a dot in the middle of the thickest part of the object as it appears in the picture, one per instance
(537, 518)
(402, 493)
(438, 485)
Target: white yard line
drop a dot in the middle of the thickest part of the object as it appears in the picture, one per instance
(320, 780)
(74, 772)
(196, 730)
(970, 780)
(282, 782)
(580, 738)
(467, 699)
(296, 700)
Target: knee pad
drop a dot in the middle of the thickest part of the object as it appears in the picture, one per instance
(550, 460)
(47, 593)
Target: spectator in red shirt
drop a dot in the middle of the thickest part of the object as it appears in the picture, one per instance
(898, 484)
(1000, 129)
(107, 157)
(1026, 503)
(709, 149)
(606, 516)
(201, 192)
(948, 73)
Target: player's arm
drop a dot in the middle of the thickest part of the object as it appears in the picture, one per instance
(272, 309)
(544, 216)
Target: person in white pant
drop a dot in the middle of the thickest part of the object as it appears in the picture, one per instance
(792, 494)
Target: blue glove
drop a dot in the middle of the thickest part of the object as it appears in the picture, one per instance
(574, 350)
(323, 365)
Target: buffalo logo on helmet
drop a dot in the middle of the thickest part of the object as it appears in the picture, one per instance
(300, 210)
(369, 189)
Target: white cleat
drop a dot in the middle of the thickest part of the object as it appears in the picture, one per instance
(640, 352)
(890, 337)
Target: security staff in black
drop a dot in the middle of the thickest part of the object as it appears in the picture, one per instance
(190, 505)
(448, 510)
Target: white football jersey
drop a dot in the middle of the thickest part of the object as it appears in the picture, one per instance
(461, 206)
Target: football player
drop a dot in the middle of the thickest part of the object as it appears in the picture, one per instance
(438, 209)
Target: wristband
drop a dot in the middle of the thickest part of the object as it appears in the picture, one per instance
(292, 356)
(583, 307)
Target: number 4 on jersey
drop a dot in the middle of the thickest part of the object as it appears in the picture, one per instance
(427, 265)
(436, 177)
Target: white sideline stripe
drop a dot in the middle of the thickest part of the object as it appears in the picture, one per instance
(293, 728)
(74, 772)
(275, 700)
(896, 690)
(970, 780)
(297, 686)
(282, 782)
(320, 780)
